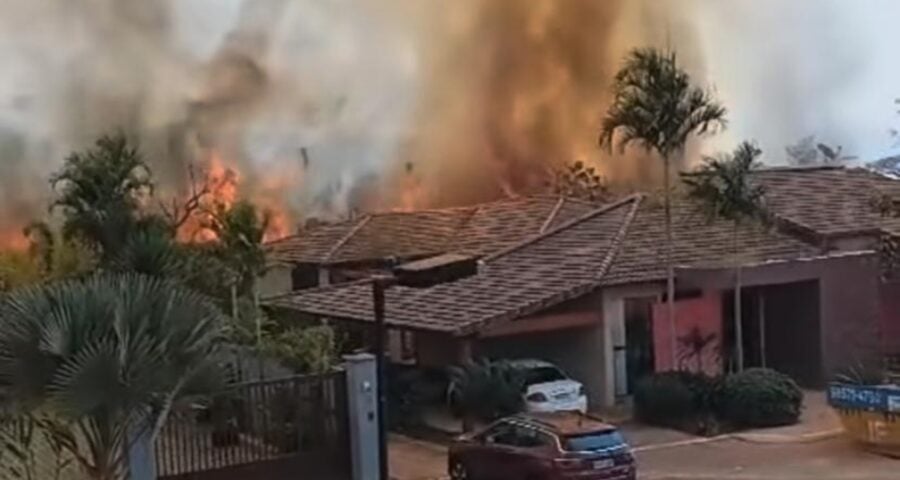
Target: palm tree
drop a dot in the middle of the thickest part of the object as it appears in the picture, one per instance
(656, 107)
(723, 189)
(99, 363)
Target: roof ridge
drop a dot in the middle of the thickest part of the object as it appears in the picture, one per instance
(346, 238)
(553, 212)
(564, 226)
(799, 168)
(620, 237)
(586, 286)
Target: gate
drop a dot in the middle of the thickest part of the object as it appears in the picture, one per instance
(292, 428)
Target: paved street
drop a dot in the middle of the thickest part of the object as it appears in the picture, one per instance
(726, 459)
(833, 459)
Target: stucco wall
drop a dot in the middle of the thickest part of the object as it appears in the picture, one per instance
(849, 304)
(890, 317)
(702, 313)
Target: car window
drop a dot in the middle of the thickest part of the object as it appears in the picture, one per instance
(531, 438)
(501, 434)
(534, 376)
(594, 441)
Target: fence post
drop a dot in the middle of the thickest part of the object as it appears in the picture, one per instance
(362, 403)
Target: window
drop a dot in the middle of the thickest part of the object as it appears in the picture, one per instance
(538, 375)
(527, 437)
(594, 441)
(501, 434)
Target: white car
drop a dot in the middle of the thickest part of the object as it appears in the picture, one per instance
(549, 389)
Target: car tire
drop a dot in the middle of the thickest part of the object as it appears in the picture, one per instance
(458, 471)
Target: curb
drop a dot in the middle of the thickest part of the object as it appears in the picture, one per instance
(761, 438)
(782, 439)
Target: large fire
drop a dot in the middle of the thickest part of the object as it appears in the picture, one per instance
(220, 187)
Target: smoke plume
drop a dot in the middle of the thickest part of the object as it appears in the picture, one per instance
(324, 106)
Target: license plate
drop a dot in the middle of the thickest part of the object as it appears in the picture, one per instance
(601, 464)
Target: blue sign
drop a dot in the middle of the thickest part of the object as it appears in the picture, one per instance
(870, 398)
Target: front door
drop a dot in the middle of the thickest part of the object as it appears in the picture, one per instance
(639, 359)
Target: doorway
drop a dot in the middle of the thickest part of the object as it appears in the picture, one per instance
(639, 359)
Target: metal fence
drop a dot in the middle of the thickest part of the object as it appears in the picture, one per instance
(297, 424)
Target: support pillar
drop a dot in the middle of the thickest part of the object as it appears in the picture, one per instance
(615, 368)
(362, 402)
(464, 353)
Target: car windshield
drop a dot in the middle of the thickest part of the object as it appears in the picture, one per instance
(543, 375)
(594, 441)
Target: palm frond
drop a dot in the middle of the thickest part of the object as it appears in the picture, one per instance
(655, 106)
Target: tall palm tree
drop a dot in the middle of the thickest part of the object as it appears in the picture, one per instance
(100, 362)
(656, 107)
(723, 189)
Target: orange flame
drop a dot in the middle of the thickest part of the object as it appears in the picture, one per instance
(226, 186)
(13, 239)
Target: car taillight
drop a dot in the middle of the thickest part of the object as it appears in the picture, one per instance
(568, 463)
(537, 397)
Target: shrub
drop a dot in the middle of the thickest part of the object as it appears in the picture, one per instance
(759, 397)
(486, 390)
(673, 399)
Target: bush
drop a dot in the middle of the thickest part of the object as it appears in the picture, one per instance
(673, 399)
(486, 390)
(759, 397)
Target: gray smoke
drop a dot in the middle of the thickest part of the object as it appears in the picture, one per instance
(368, 87)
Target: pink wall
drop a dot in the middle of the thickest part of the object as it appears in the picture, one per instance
(890, 317)
(703, 313)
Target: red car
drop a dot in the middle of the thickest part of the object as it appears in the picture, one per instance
(551, 446)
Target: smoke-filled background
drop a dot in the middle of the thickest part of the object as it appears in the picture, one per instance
(408, 103)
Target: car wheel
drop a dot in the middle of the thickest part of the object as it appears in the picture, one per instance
(458, 472)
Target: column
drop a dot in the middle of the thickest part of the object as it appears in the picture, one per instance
(616, 378)
(362, 403)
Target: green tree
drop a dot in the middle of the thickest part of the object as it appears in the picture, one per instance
(656, 107)
(723, 188)
(100, 362)
(100, 191)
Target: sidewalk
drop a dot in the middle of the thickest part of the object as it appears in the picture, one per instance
(817, 422)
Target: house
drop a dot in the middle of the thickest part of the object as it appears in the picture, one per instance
(583, 285)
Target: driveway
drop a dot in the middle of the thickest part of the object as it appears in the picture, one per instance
(811, 449)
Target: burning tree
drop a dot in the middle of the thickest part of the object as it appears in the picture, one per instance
(656, 106)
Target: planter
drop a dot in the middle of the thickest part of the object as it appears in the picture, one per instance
(870, 415)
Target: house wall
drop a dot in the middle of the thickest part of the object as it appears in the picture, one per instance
(704, 314)
(851, 314)
(276, 281)
(890, 317)
(849, 304)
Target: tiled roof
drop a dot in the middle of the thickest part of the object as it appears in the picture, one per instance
(562, 263)
(476, 230)
(696, 242)
(829, 200)
(312, 246)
